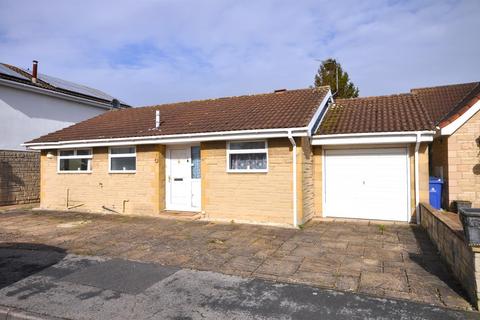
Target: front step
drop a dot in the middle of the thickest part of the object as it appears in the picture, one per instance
(181, 215)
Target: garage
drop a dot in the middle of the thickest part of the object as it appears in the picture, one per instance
(367, 183)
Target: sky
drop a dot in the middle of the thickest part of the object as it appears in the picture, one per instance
(151, 52)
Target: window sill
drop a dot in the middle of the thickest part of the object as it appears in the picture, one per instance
(248, 171)
(122, 171)
(74, 172)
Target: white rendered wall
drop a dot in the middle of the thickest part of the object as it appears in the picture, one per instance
(27, 115)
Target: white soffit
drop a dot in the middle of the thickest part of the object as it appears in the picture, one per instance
(456, 124)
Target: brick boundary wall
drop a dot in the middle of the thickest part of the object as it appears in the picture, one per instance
(446, 232)
(19, 177)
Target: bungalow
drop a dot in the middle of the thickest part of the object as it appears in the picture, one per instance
(278, 158)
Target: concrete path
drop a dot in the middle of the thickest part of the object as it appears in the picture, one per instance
(49, 283)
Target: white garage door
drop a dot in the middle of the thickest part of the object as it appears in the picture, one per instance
(367, 184)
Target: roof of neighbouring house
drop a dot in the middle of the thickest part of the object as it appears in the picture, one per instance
(421, 109)
(283, 109)
(23, 76)
(446, 103)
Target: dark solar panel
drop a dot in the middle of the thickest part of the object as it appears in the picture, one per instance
(67, 85)
(60, 84)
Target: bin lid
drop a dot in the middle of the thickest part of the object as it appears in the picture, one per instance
(436, 180)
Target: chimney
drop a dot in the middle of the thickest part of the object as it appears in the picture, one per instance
(157, 118)
(35, 71)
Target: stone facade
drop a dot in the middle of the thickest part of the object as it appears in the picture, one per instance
(19, 177)
(248, 197)
(457, 158)
(243, 197)
(446, 232)
(318, 179)
(424, 174)
(142, 192)
(306, 181)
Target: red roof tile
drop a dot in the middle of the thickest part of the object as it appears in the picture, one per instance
(422, 109)
(401, 112)
(287, 109)
(443, 101)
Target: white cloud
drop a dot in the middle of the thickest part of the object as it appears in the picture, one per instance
(148, 52)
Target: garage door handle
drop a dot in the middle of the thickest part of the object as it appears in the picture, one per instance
(177, 179)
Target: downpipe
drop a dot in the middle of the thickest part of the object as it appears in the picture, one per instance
(294, 177)
(417, 178)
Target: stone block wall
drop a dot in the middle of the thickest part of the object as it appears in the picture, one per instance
(19, 177)
(306, 180)
(446, 232)
(264, 197)
(139, 193)
(464, 162)
(459, 155)
(318, 179)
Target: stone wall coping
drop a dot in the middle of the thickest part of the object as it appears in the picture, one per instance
(449, 219)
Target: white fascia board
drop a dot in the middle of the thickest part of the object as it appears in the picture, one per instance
(172, 139)
(373, 138)
(457, 123)
(51, 93)
(320, 112)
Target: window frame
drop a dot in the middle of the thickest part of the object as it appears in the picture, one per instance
(191, 161)
(246, 151)
(121, 155)
(75, 156)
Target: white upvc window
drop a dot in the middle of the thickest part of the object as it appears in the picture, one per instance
(247, 156)
(74, 161)
(122, 159)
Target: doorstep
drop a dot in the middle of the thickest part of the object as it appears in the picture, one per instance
(180, 215)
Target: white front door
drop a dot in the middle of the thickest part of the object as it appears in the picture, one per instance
(182, 189)
(367, 184)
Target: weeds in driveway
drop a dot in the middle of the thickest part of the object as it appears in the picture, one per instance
(216, 241)
(381, 228)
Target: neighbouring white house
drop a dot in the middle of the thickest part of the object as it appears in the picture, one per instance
(33, 104)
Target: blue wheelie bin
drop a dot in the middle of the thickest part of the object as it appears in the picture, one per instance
(436, 185)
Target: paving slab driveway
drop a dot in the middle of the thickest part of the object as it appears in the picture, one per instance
(395, 261)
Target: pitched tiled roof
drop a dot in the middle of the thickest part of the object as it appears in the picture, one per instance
(16, 74)
(421, 109)
(442, 101)
(401, 112)
(287, 109)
